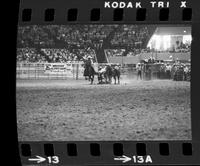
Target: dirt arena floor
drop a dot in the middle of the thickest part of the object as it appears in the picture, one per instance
(70, 110)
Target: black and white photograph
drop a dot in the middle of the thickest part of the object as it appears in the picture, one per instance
(103, 82)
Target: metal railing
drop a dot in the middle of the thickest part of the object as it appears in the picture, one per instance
(49, 70)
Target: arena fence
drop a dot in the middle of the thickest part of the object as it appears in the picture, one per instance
(49, 70)
(61, 70)
(76, 70)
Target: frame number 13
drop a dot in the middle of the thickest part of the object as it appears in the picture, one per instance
(53, 159)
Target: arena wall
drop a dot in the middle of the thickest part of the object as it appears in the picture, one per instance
(49, 70)
(75, 70)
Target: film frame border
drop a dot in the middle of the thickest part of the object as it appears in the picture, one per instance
(83, 154)
(59, 14)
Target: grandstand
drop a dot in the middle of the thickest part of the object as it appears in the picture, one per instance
(53, 55)
(121, 44)
(54, 43)
(163, 44)
(69, 37)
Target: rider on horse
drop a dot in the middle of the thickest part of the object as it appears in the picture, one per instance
(89, 70)
(88, 63)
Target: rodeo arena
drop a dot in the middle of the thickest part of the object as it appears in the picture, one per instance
(103, 82)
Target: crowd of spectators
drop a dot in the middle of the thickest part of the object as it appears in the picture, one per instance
(58, 55)
(84, 35)
(28, 55)
(57, 43)
(81, 36)
(183, 47)
(131, 36)
(31, 36)
(44, 55)
(131, 52)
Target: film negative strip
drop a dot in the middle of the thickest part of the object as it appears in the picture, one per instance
(108, 82)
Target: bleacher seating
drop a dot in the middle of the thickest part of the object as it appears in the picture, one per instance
(28, 55)
(53, 55)
(63, 43)
(131, 36)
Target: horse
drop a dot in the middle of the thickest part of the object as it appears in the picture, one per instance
(116, 74)
(112, 72)
(90, 72)
(108, 74)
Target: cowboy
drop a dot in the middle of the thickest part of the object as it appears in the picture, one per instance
(116, 67)
(168, 71)
(88, 63)
(89, 60)
(100, 79)
(186, 72)
(102, 69)
(139, 70)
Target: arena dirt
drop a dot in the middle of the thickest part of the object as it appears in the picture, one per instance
(70, 110)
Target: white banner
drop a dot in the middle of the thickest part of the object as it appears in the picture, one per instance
(58, 69)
